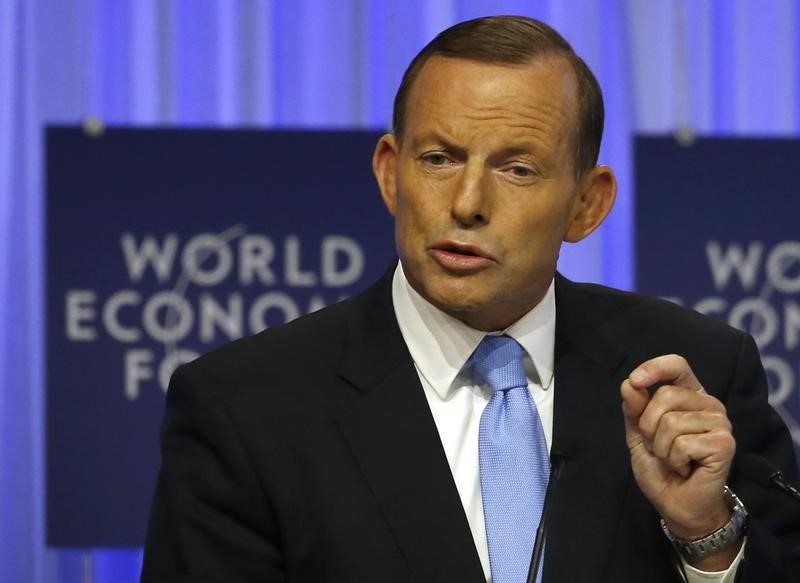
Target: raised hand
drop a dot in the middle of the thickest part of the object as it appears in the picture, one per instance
(681, 447)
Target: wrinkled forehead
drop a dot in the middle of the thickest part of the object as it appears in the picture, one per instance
(456, 90)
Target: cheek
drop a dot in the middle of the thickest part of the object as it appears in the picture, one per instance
(409, 228)
(536, 242)
(416, 214)
(546, 222)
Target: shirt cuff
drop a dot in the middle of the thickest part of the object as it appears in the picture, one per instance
(727, 576)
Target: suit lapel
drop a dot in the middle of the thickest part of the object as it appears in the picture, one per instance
(389, 428)
(587, 501)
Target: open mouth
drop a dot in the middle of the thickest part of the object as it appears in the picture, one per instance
(461, 249)
(466, 252)
(460, 257)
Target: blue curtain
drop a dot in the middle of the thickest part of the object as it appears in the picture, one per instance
(704, 66)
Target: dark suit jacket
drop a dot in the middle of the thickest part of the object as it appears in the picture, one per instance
(309, 453)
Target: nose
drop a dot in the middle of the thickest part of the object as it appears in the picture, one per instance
(470, 203)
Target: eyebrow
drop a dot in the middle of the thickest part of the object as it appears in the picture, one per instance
(517, 148)
(434, 136)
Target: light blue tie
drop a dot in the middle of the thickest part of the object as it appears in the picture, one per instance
(514, 464)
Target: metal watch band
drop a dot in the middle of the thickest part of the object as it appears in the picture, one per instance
(717, 540)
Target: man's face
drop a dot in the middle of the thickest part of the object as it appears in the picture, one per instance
(483, 187)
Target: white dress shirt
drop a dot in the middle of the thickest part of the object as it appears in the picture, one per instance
(440, 346)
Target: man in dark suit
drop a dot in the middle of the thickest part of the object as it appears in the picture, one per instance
(351, 445)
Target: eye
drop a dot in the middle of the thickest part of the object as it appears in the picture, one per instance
(435, 159)
(521, 171)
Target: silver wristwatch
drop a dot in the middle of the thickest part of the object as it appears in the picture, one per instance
(712, 543)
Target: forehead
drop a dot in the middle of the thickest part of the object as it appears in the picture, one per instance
(539, 97)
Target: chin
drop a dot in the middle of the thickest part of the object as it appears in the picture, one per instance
(456, 304)
(450, 293)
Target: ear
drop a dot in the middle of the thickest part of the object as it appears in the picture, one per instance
(597, 191)
(384, 164)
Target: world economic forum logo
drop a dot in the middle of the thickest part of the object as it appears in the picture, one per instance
(183, 295)
(756, 288)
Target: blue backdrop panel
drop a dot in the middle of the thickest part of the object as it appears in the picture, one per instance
(717, 230)
(161, 245)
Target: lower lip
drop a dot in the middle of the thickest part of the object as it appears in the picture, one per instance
(459, 262)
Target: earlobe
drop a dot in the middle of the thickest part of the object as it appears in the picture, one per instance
(598, 190)
(384, 162)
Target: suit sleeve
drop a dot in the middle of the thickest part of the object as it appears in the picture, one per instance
(773, 539)
(211, 520)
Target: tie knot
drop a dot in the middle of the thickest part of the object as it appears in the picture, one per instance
(498, 360)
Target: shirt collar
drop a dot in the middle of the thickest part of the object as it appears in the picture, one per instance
(441, 344)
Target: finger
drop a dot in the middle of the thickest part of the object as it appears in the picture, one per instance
(675, 424)
(672, 398)
(669, 368)
(634, 402)
(712, 451)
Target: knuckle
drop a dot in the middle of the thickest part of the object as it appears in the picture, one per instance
(659, 449)
(721, 420)
(680, 444)
(711, 403)
(668, 393)
(721, 442)
(646, 427)
(678, 454)
(726, 440)
(669, 421)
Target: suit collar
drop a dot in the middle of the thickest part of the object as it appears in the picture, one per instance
(440, 344)
(373, 346)
(373, 332)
